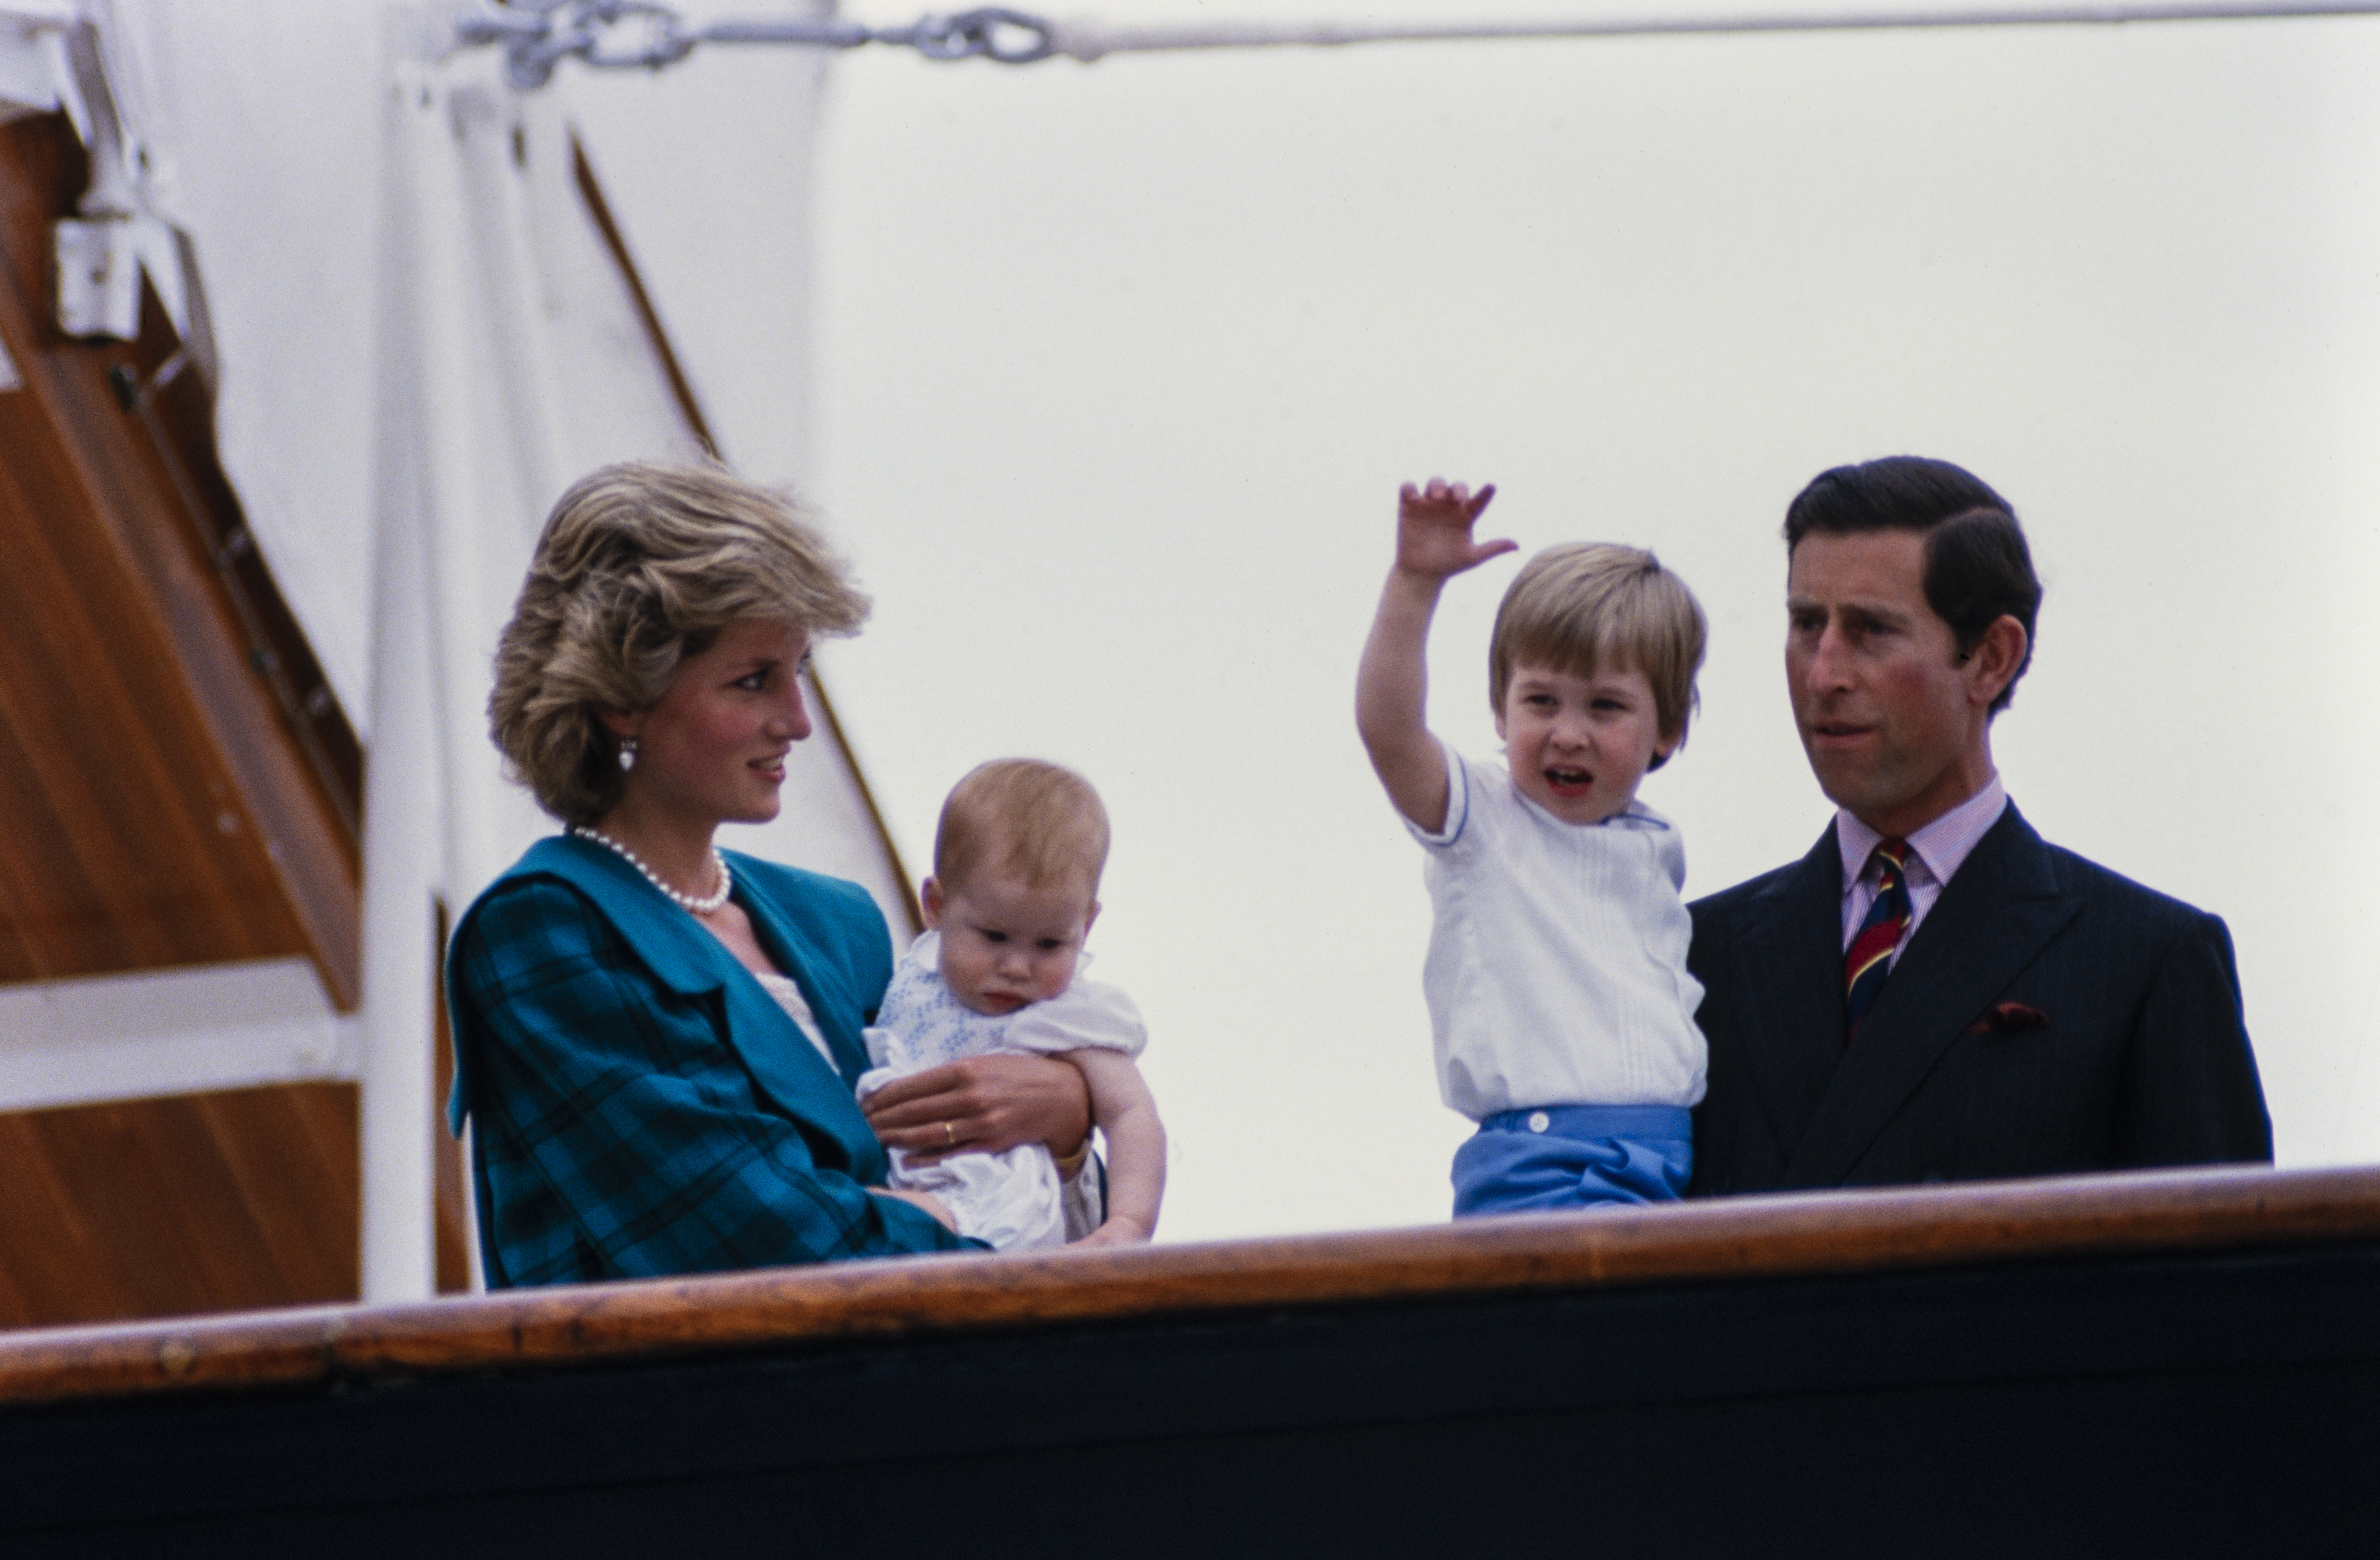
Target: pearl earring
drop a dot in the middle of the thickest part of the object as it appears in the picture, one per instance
(627, 752)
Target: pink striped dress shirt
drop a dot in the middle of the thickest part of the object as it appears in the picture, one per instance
(1935, 853)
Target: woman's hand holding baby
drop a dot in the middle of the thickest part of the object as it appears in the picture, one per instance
(984, 1104)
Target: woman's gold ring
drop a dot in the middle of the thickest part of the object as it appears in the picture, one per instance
(951, 1137)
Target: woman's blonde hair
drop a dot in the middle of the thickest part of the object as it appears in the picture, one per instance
(641, 566)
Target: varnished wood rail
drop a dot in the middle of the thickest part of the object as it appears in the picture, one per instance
(1742, 1238)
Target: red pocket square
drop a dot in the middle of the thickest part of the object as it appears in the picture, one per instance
(2002, 1017)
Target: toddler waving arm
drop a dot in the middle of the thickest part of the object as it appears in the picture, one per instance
(1433, 544)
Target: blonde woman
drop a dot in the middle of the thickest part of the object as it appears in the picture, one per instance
(656, 1039)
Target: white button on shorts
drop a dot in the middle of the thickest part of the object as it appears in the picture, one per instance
(1540, 1121)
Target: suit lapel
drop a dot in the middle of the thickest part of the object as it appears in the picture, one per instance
(1789, 992)
(817, 975)
(782, 1058)
(1997, 913)
(689, 960)
(673, 945)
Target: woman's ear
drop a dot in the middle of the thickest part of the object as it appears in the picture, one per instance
(930, 902)
(619, 723)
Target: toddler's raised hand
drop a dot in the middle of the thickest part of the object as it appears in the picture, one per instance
(1434, 529)
(1392, 681)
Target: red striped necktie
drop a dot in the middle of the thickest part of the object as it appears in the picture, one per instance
(1870, 957)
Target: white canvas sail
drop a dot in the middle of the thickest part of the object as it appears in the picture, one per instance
(425, 336)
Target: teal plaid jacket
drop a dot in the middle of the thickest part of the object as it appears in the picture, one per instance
(640, 1106)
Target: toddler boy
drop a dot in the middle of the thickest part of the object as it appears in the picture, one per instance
(1560, 1004)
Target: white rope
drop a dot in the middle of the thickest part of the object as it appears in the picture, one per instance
(643, 34)
(1090, 41)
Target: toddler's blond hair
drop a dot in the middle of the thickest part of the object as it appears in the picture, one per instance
(1584, 605)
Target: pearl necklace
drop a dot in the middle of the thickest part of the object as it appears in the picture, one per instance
(700, 905)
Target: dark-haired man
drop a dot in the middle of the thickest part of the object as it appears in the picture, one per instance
(1933, 992)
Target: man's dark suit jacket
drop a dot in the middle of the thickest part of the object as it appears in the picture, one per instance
(2048, 1017)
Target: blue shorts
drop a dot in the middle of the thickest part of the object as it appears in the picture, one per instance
(1574, 1156)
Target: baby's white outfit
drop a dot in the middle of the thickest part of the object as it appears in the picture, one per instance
(1012, 1200)
(1557, 967)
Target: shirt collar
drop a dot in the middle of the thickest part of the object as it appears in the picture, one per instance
(1636, 815)
(1941, 845)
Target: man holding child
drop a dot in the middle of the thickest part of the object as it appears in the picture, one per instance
(1933, 992)
(1560, 1010)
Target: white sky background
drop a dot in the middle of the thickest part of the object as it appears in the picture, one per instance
(1118, 369)
(1106, 376)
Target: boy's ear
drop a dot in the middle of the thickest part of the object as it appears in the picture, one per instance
(930, 902)
(1091, 917)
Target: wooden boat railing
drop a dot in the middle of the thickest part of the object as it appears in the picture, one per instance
(2163, 1362)
(1739, 1238)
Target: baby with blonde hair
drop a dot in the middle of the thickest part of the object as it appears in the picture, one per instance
(1018, 858)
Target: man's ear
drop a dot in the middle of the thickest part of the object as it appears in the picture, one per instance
(930, 902)
(1994, 661)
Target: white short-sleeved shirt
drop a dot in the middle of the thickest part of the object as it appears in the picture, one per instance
(1012, 1199)
(922, 1023)
(1556, 968)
